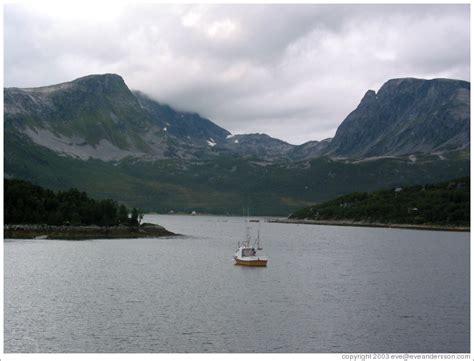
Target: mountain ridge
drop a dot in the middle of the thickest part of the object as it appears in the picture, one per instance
(97, 135)
(407, 115)
(98, 116)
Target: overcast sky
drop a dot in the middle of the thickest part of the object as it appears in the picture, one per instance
(291, 71)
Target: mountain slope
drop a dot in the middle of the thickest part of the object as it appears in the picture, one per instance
(96, 116)
(182, 125)
(96, 135)
(259, 146)
(311, 149)
(407, 116)
(222, 185)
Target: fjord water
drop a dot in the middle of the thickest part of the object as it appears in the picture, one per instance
(326, 289)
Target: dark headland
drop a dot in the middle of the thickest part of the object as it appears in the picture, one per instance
(442, 206)
(35, 212)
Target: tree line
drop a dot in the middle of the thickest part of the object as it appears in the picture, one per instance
(26, 203)
(446, 203)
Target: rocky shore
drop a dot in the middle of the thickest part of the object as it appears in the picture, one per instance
(25, 231)
(366, 224)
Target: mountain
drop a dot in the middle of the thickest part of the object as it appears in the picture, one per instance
(311, 149)
(97, 135)
(259, 146)
(406, 116)
(91, 117)
(182, 125)
(98, 117)
(224, 185)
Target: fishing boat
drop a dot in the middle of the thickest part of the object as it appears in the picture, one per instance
(248, 252)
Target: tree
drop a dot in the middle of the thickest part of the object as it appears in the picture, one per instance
(134, 218)
(108, 210)
(123, 215)
(25, 202)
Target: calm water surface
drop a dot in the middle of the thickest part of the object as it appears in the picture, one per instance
(326, 289)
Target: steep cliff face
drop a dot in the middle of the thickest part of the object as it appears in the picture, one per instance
(407, 116)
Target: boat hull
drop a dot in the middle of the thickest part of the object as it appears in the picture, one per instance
(251, 263)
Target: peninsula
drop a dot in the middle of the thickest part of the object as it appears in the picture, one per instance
(441, 206)
(35, 212)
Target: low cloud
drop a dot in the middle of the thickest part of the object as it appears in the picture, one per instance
(291, 71)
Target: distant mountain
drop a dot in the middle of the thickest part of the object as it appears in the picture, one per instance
(311, 149)
(98, 117)
(95, 134)
(264, 147)
(259, 146)
(189, 127)
(406, 116)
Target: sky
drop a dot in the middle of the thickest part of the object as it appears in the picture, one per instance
(291, 71)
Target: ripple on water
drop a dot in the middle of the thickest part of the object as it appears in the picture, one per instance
(326, 289)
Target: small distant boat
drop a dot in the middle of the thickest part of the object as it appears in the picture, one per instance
(247, 254)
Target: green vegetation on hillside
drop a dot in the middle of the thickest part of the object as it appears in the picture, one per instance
(446, 203)
(223, 185)
(26, 203)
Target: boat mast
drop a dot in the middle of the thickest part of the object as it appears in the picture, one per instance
(247, 229)
(259, 246)
(258, 236)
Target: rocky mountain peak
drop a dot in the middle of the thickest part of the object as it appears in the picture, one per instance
(369, 97)
(101, 83)
(415, 86)
(407, 115)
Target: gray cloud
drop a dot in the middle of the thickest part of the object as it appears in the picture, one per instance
(292, 71)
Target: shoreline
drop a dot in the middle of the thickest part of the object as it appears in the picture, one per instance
(372, 225)
(41, 231)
